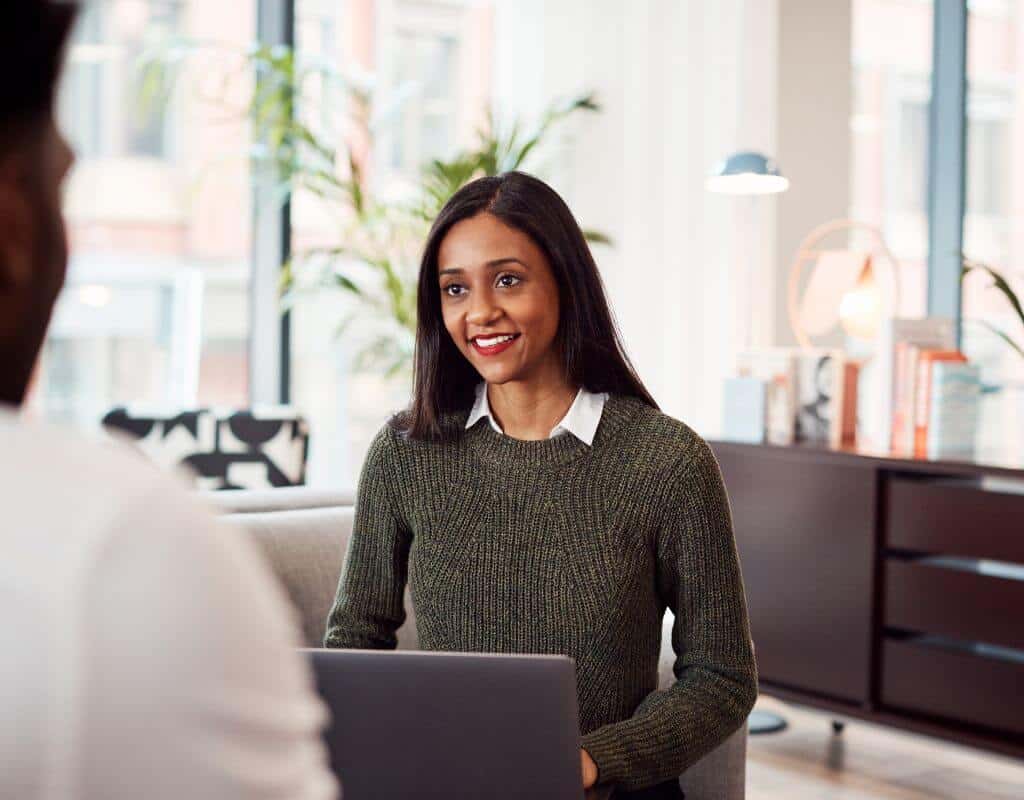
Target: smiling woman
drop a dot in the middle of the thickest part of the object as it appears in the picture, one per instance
(505, 256)
(502, 314)
(569, 522)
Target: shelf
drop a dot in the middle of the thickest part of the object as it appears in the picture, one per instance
(954, 519)
(967, 682)
(952, 602)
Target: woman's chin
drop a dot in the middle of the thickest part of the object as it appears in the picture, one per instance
(497, 373)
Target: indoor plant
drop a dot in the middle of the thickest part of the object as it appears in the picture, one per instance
(372, 256)
(998, 282)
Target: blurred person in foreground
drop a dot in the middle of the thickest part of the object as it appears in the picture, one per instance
(145, 653)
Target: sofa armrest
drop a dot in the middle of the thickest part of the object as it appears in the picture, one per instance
(305, 549)
(722, 773)
(286, 498)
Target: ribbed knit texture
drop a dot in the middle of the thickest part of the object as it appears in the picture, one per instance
(551, 546)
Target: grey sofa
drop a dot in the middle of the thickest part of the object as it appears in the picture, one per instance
(304, 534)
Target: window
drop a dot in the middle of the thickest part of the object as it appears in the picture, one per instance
(411, 55)
(993, 226)
(105, 108)
(892, 66)
(988, 153)
(155, 309)
(424, 71)
(911, 188)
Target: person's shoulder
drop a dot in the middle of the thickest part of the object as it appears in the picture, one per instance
(67, 461)
(75, 505)
(665, 442)
(395, 435)
(66, 484)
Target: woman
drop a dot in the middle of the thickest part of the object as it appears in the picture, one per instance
(539, 501)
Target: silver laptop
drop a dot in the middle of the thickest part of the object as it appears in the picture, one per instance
(451, 725)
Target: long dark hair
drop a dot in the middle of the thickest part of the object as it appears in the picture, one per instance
(33, 34)
(588, 338)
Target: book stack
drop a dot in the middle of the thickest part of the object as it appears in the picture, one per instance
(776, 369)
(951, 424)
(900, 345)
(935, 401)
(808, 395)
(827, 397)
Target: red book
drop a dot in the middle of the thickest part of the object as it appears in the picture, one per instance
(844, 415)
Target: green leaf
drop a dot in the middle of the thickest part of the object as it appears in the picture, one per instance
(596, 237)
(286, 280)
(998, 282)
(1001, 334)
(347, 284)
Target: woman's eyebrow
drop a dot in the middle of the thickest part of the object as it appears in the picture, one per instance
(493, 264)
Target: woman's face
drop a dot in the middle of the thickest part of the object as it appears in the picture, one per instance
(494, 282)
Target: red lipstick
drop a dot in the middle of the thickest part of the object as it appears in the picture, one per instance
(498, 348)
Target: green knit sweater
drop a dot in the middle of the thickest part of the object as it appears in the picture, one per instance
(551, 546)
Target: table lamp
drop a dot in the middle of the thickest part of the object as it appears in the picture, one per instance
(750, 174)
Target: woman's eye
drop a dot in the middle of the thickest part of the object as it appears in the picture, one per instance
(508, 278)
(448, 289)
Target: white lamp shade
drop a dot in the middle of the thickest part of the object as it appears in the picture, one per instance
(747, 173)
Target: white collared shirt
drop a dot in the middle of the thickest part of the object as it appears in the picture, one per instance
(581, 420)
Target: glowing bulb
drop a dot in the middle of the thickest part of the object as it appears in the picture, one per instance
(860, 310)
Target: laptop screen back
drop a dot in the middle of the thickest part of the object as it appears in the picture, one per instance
(450, 725)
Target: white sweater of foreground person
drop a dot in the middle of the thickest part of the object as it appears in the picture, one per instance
(144, 651)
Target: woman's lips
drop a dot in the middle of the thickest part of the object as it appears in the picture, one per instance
(498, 348)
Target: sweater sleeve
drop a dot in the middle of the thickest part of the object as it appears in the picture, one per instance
(699, 579)
(368, 607)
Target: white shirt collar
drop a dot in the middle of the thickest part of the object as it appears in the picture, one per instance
(581, 420)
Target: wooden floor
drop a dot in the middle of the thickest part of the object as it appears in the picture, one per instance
(808, 762)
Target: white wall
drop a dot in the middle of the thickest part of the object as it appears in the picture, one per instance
(815, 85)
(682, 84)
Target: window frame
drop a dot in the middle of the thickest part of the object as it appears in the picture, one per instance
(270, 325)
(946, 161)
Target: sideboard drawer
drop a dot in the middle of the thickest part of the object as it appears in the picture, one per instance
(958, 685)
(954, 518)
(928, 598)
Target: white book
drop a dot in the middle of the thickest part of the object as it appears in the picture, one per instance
(956, 401)
(744, 410)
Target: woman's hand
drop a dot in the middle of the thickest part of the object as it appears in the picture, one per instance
(589, 769)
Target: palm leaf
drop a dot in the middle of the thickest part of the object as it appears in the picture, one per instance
(596, 237)
(1001, 334)
(1000, 283)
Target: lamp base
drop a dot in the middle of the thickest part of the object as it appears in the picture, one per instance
(765, 722)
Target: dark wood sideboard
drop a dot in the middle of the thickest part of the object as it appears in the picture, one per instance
(885, 589)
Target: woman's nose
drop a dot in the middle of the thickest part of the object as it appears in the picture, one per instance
(482, 310)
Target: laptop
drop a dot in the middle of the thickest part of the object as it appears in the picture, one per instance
(450, 725)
